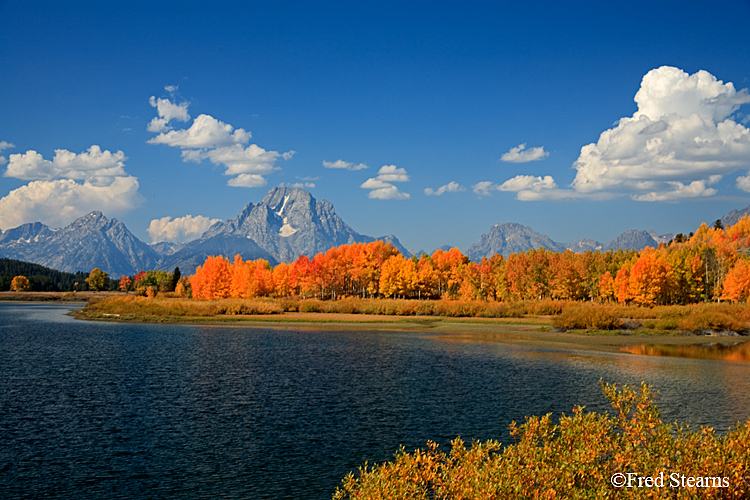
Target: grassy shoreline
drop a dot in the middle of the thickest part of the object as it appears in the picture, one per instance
(536, 330)
(530, 329)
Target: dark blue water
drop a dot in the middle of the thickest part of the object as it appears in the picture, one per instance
(107, 411)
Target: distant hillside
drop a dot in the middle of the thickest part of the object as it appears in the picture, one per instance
(42, 279)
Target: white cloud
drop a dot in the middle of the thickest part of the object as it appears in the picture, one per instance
(248, 181)
(392, 173)
(341, 164)
(520, 154)
(451, 187)
(681, 133)
(695, 189)
(388, 192)
(483, 188)
(205, 132)
(682, 139)
(179, 229)
(302, 185)
(237, 159)
(167, 111)
(743, 183)
(68, 186)
(220, 143)
(527, 188)
(94, 165)
(5, 145)
(381, 188)
(58, 202)
(528, 183)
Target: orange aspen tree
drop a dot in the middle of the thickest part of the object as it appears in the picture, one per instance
(607, 287)
(650, 279)
(213, 279)
(737, 282)
(281, 281)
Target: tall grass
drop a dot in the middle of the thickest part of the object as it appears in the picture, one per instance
(566, 315)
(178, 307)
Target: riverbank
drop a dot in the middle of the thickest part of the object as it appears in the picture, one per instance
(529, 329)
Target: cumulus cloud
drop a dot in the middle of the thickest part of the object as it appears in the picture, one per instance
(341, 164)
(381, 188)
(94, 165)
(179, 229)
(210, 139)
(167, 111)
(68, 186)
(57, 202)
(248, 181)
(451, 187)
(682, 139)
(520, 154)
(237, 159)
(205, 132)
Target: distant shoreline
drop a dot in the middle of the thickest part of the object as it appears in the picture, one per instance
(504, 331)
(53, 296)
(531, 330)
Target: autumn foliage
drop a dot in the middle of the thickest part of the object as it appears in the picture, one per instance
(709, 265)
(575, 458)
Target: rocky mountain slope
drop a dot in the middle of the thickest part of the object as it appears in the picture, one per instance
(287, 223)
(90, 241)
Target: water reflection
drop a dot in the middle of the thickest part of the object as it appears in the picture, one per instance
(738, 351)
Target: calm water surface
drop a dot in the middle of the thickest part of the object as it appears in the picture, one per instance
(119, 411)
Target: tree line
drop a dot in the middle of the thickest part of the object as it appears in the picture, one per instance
(712, 264)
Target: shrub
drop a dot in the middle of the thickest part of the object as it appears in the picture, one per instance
(546, 307)
(712, 318)
(459, 308)
(503, 310)
(577, 316)
(288, 304)
(309, 305)
(573, 459)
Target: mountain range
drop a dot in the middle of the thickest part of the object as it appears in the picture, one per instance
(510, 237)
(287, 223)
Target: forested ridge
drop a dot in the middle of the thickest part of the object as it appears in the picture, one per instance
(41, 279)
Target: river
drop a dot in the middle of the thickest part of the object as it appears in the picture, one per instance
(120, 411)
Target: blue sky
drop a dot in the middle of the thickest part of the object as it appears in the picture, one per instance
(465, 114)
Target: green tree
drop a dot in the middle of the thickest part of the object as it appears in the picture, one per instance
(98, 279)
(175, 278)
